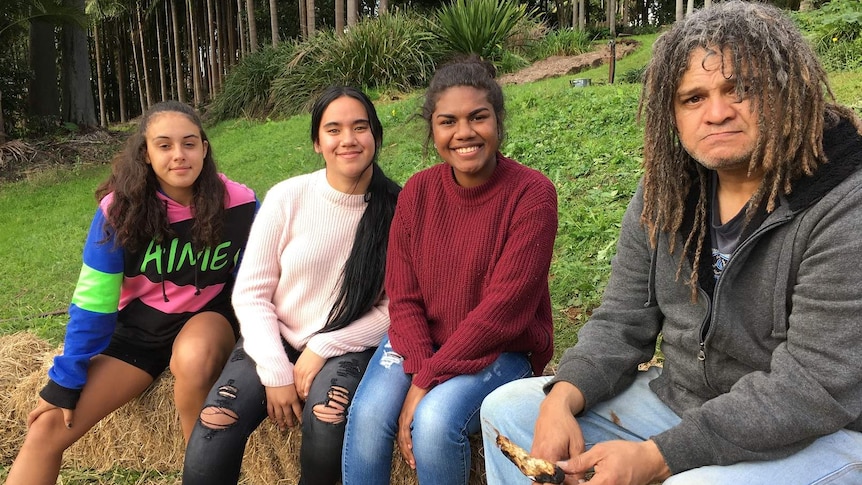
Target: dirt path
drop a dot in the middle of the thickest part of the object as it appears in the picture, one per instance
(565, 65)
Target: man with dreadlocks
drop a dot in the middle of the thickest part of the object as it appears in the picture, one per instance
(742, 248)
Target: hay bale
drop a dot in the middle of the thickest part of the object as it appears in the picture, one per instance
(145, 434)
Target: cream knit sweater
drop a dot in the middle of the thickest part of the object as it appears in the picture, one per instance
(290, 272)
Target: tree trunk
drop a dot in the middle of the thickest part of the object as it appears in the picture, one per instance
(141, 96)
(2, 122)
(582, 15)
(144, 66)
(309, 15)
(163, 80)
(382, 7)
(178, 66)
(352, 13)
(689, 8)
(44, 98)
(230, 47)
(339, 17)
(252, 26)
(273, 21)
(707, 3)
(97, 42)
(195, 55)
(303, 20)
(220, 45)
(78, 106)
(212, 64)
(680, 10)
(121, 74)
(243, 48)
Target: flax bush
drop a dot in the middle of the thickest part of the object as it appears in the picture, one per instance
(390, 51)
(246, 92)
(478, 26)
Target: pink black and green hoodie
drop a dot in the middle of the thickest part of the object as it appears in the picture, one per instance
(147, 295)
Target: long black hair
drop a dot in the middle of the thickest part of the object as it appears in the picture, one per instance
(362, 277)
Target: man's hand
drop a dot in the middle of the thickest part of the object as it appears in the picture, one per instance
(620, 463)
(283, 406)
(557, 434)
(43, 406)
(305, 370)
(408, 409)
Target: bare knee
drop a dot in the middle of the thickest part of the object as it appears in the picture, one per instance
(48, 433)
(220, 417)
(334, 409)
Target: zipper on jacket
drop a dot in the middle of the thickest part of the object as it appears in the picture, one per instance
(706, 327)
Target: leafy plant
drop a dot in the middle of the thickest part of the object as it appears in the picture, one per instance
(395, 51)
(563, 42)
(478, 26)
(246, 91)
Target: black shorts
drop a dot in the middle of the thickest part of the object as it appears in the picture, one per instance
(155, 359)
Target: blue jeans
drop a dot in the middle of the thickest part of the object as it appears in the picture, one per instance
(834, 459)
(214, 455)
(442, 424)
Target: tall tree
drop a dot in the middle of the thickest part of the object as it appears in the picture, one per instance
(239, 23)
(144, 66)
(181, 85)
(273, 20)
(44, 98)
(339, 17)
(309, 17)
(194, 54)
(382, 7)
(303, 19)
(78, 106)
(163, 79)
(252, 26)
(352, 12)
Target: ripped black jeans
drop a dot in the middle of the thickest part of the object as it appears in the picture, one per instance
(214, 453)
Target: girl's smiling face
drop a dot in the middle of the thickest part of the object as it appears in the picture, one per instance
(176, 151)
(464, 127)
(347, 144)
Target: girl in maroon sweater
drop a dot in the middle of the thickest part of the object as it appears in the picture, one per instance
(467, 277)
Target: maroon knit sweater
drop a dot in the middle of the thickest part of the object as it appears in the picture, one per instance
(467, 271)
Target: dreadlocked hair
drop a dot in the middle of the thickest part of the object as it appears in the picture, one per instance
(136, 214)
(776, 70)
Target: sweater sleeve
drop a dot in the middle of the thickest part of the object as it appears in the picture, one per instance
(255, 285)
(401, 279)
(92, 315)
(363, 333)
(516, 289)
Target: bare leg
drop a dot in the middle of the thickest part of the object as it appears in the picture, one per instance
(110, 384)
(199, 354)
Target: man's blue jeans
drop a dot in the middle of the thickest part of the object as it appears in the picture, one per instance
(445, 418)
(835, 459)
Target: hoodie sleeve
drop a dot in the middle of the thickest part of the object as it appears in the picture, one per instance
(92, 315)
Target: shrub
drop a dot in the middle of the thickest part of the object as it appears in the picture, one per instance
(246, 91)
(478, 26)
(563, 42)
(835, 31)
(393, 51)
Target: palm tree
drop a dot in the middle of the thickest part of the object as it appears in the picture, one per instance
(273, 21)
(252, 26)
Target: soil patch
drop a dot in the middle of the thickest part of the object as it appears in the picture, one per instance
(555, 66)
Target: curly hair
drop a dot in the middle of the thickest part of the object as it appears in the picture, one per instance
(776, 70)
(136, 214)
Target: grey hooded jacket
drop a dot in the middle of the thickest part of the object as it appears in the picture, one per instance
(769, 358)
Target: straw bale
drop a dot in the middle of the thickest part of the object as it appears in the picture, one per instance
(145, 434)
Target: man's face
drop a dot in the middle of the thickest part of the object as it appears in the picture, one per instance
(716, 127)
